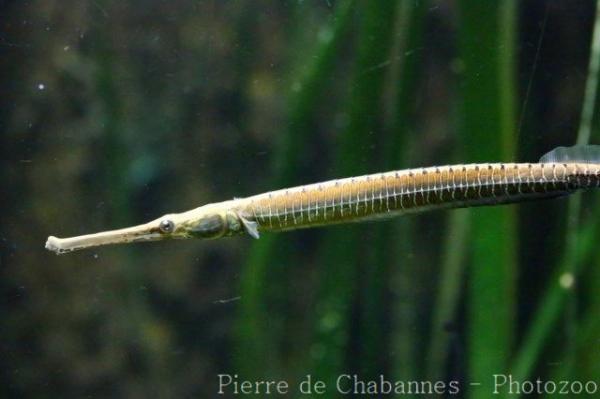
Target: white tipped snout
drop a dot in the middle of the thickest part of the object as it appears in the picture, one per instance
(143, 232)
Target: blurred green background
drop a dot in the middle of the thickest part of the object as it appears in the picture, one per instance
(113, 113)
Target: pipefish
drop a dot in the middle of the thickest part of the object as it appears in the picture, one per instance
(376, 196)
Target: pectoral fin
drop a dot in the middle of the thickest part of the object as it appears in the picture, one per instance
(251, 227)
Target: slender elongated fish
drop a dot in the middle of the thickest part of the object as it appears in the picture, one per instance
(376, 196)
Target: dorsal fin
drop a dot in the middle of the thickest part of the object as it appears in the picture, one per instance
(577, 153)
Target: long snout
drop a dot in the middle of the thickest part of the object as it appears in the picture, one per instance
(142, 232)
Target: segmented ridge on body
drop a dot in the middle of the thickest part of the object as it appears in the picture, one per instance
(413, 190)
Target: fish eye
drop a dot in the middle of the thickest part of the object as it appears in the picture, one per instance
(166, 226)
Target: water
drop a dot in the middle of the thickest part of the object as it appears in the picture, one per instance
(116, 113)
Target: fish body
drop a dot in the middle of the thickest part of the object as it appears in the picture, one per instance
(369, 197)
